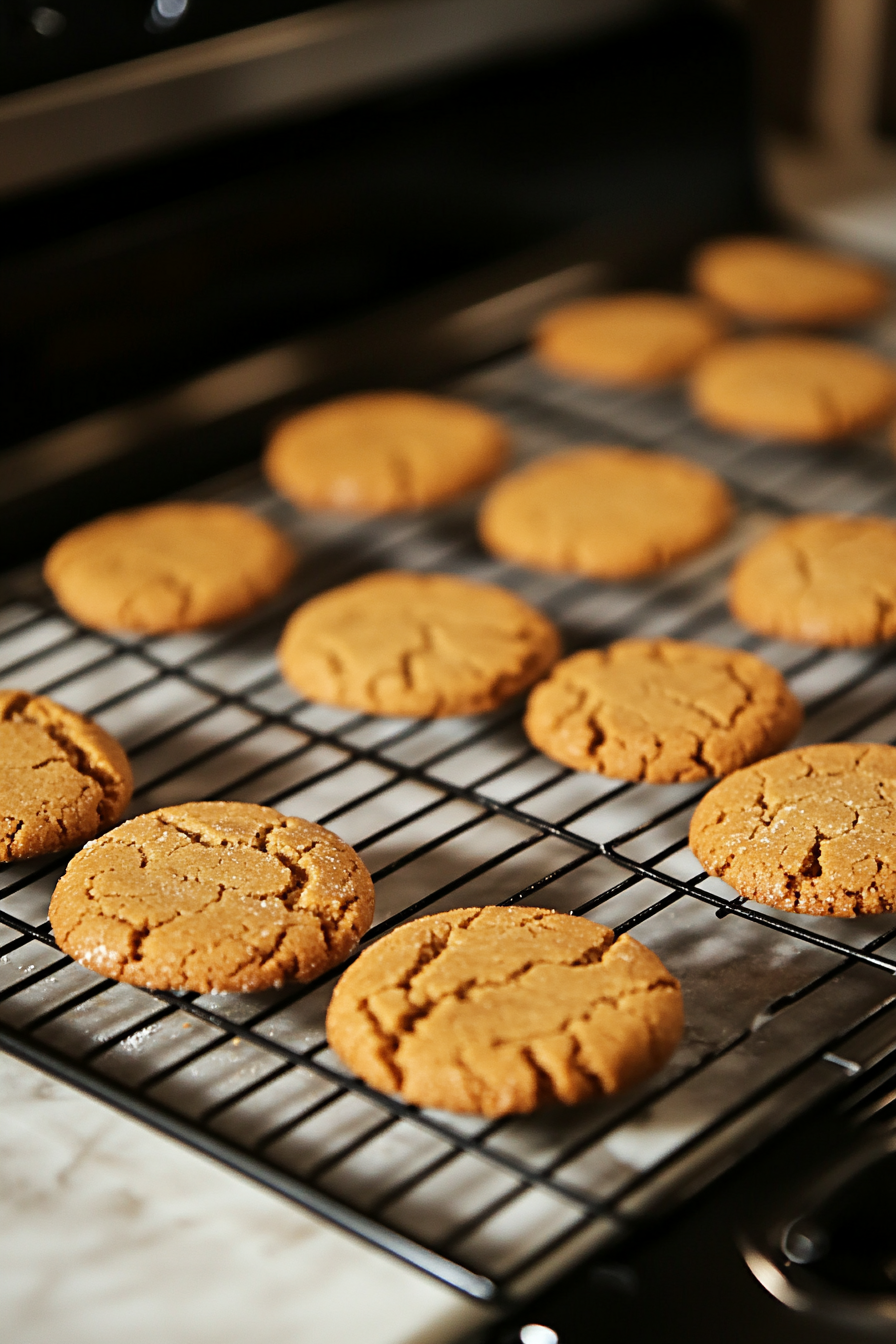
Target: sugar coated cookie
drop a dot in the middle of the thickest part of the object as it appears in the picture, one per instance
(628, 338)
(610, 513)
(379, 452)
(168, 567)
(812, 830)
(421, 645)
(500, 1011)
(661, 710)
(213, 897)
(820, 579)
(62, 777)
(801, 388)
(774, 281)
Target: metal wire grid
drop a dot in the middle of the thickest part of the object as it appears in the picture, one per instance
(456, 813)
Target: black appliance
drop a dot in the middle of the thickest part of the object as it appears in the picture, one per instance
(167, 289)
(488, 174)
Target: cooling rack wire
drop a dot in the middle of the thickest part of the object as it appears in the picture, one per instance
(462, 812)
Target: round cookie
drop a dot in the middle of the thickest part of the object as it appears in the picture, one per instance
(63, 778)
(628, 338)
(609, 513)
(168, 567)
(499, 1011)
(820, 579)
(812, 830)
(380, 452)
(776, 282)
(416, 645)
(799, 388)
(214, 898)
(661, 710)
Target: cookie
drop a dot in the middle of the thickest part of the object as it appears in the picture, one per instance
(499, 1011)
(777, 282)
(416, 645)
(661, 710)
(628, 338)
(214, 898)
(63, 779)
(609, 513)
(380, 452)
(812, 830)
(820, 579)
(799, 388)
(168, 567)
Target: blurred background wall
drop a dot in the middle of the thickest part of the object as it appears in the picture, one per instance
(826, 95)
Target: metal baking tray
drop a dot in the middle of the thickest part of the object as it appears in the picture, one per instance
(464, 812)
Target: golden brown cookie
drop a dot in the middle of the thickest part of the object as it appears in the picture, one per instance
(661, 710)
(801, 388)
(379, 452)
(214, 898)
(628, 338)
(820, 579)
(63, 779)
(812, 830)
(502, 1011)
(610, 513)
(416, 645)
(774, 281)
(168, 567)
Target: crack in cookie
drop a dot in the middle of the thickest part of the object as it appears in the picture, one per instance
(416, 645)
(213, 897)
(64, 779)
(498, 1011)
(826, 579)
(665, 711)
(811, 830)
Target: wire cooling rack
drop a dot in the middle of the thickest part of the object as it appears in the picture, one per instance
(463, 812)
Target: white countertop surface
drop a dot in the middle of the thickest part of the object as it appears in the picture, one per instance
(111, 1232)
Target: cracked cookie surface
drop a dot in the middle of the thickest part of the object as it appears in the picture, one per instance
(416, 645)
(499, 1011)
(63, 778)
(381, 452)
(606, 512)
(812, 830)
(825, 579)
(661, 710)
(799, 388)
(168, 567)
(213, 897)
(779, 282)
(628, 338)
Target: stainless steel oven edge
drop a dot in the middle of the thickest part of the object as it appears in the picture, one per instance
(320, 59)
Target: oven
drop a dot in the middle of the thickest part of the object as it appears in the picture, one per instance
(163, 304)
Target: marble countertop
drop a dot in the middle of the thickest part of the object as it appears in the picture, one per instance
(109, 1231)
